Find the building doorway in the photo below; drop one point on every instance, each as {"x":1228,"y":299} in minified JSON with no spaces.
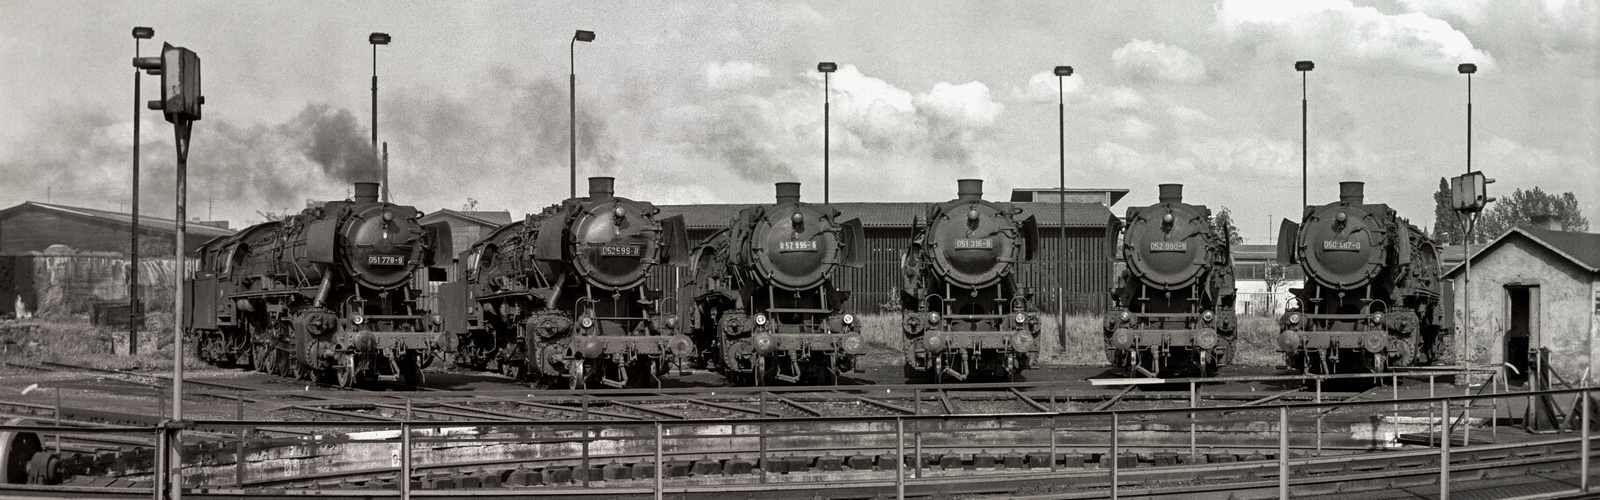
{"x":1522,"y":330}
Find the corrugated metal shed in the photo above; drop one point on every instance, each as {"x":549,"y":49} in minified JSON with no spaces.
{"x":34,"y":226}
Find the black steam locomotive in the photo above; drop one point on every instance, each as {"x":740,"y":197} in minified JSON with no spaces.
{"x":765,"y":305}
{"x":334,"y":293}
{"x":562,"y":295}
{"x":962,"y":312}
{"x":1173,"y":308}
{"x":1371,"y":298}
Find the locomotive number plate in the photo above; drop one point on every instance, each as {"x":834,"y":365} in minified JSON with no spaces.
{"x":1169,"y":246}
{"x":619,"y":251}
{"x":1352,"y":246}
{"x":974,"y":243}
{"x":386,"y":260}
{"x":797,"y":246}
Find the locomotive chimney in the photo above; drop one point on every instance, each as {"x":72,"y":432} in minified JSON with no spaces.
{"x":366,"y":192}
{"x":601,"y":187}
{"x":1547,"y":221}
{"x":788,"y":192}
{"x":1352,"y":192}
{"x":1170,"y":193}
{"x":969,"y":189}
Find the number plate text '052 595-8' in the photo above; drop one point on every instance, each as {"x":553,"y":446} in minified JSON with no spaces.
{"x":619,"y":251}
{"x":1169,"y":246}
{"x":797,"y":246}
{"x":1352,"y":246}
{"x":386,"y":260}
{"x":974,"y":243}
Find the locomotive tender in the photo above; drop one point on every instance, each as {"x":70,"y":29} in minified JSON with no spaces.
{"x":962,"y":312}
{"x":334,"y":293}
{"x":1371,"y":298}
{"x":562,"y":295}
{"x":1173,"y":308}
{"x":765,"y":305}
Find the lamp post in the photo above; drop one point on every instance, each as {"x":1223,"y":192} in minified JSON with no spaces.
{"x":1061,"y":200}
{"x":572,"y":105}
{"x":139,"y":33}
{"x":826,"y":68}
{"x":377,"y":39}
{"x":1303,"y":67}
{"x":1466,"y":286}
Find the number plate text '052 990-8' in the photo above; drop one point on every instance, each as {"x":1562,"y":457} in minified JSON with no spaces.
{"x":797,"y":246}
{"x":386,"y":260}
{"x":974,"y":243}
{"x":1169,"y":246}
{"x":1351,"y":246}
{"x":619,"y":251}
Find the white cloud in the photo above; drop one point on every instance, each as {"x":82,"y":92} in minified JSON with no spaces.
{"x":1124,"y":98}
{"x":1043,"y":87}
{"x":733,"y":74}
{"x":1338,"y":29}
{"x":1145,"y":59}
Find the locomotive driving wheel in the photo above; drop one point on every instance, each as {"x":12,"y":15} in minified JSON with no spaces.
{"x":344,"y":372}
{"x":576,"y":376}
{"x":1206,"y":363}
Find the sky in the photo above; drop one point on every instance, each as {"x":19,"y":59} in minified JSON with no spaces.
{"x":713,"y":102}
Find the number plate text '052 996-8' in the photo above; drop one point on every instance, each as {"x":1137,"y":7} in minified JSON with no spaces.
{"x":1351,"y":246}
{"x":974,"y":243}
{"x":1169,"y":246}
{"x":386,"y":260}
{"x":619,"y":251}
{"x":797,"y":246}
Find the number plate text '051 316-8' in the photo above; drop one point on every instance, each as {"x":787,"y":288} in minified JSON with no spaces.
{"x":1169,"y":246}
{"x":386,"y":260}
{"x":619,"y":251}
{"x":797,"y":246}
{"x":974,"y":243}
{"x":1352,"y":246}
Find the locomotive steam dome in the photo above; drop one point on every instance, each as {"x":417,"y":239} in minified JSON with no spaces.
{"x":612,"y":239}
{"x":381,"y":240}
{"x":1342,"y":243}
{"x":799,"y":246}
{"x":1165,"y":243}
{"x":973,"y":242}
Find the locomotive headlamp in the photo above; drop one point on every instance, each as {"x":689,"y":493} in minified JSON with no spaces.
{"x":1207,"y":316}
{"x":358,"y":319}
{"x":933,"y":318}
{"x":1126,"y":316}
{"x":1294,"y":319}
{"x":849,"y":319}
{"x":1377,"y":318}
{"x":388,"y":216}
{"x":797,"y":219}
{"x":619,"y":212}
{"x":438,"y":320}
{"x":972,"y":215}
{"x":672,"y":322}
{"x":1339,"y":217}
{"x":1022,"y":319}
{"x":586,"y":321}
{"x":761,"y":320}
{"x":1166,"y":219}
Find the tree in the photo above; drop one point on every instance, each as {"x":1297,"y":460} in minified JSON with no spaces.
{"x":1518,"y":209}
{"x":1448,"y":227}
{"x":1224,"y":219}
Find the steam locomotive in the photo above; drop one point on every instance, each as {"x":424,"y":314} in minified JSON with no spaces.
{"x":962,"y":312}
{"x":766,"y":307}
{"x":334,"y":293}
{"x":1173,"y":308}
{"x":1371,"y":299}
{"x":562,"y":295}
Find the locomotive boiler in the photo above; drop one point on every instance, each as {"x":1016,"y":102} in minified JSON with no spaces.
{"x":333,"y":293}
{"x":561,"y":296}
{"x":1173,"y":309}
{"x":1371,"y":297}
{"x":765,"y":303}
{"x":962,"y":311}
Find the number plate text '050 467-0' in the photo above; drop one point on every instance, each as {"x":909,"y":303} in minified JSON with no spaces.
{"x":1169,"y":246}
{"x":797,"y":246}
{"x":386,"y":260}
{"x":619,"y":251}
{"x":974,"y":243}
{"x":1352,"y":246}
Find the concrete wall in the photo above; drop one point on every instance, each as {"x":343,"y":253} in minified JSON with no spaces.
{"x":63,"y":285}
{"x":1566,"y":306}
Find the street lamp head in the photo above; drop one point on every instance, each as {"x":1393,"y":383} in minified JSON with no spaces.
{"x":827,"y":67}
{"x":378,"y":38}
{"x":1467,"y":68}
{"x":143,"y":33}
{"x":1304,"y":66}
{"x":583,"y":36}
{"x":1063,"y":70}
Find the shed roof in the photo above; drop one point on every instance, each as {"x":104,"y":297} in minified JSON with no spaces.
{"x":889,"y":215}
{"x":146,"y":222}
{"x":1582,"y":249}
{"x":482,"y":218}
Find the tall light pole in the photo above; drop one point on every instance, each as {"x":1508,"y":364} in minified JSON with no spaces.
{"x":139,"y":33}
{"x":826,"y":68}
{"x":1303,"y":67}
{"x":1061,"y":202}
{"x":1466,"y":285}
{"x":377,"y":39}
{"x":572,"y":105}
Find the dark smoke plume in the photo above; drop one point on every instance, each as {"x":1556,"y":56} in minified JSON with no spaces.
{"x":335,"y":140}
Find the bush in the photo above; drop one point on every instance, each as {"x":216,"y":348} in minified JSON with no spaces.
{"x":81,"y":344}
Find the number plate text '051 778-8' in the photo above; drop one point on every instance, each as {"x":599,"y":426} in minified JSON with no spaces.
{"x":1169,"y":246}
{"x":619,"y":251}
{"x":1349,"y":246}
{"x":386,"y":260}
{"x":974,"y":243}
{"x":797,"y":246}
